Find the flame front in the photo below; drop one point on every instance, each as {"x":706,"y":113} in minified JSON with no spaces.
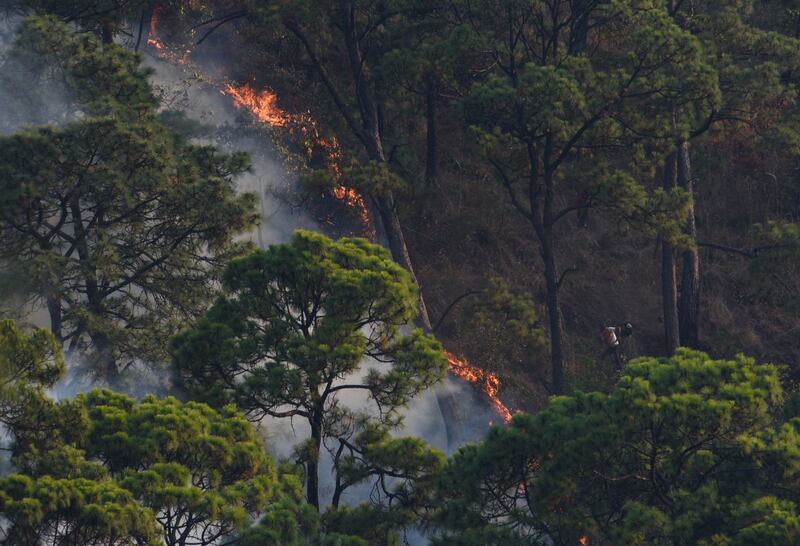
{"x":262,"y":104}
{"x":489,"y":382}
{"x":264,"y":107}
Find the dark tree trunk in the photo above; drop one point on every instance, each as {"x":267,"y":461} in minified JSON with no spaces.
{"x":669,"y":292}
{"x":107,"y":31}
{"x":689,"y":302}
{"x":54,"y":309}
{"x":580,"y":26}
{"x":431,"y":144}
{"x":312,"y":466}
{"x":105,"y":364}
{"x":553,"y":312}
{"x":397,"y":246}
{"x":368,"y":132}
{"x":144,"y":25}
{"x":453,"y":422}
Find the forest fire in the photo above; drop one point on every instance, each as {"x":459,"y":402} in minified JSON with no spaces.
{"x":262,"y":104}
{"x":164,"y":52}
{"x":488,"y":381}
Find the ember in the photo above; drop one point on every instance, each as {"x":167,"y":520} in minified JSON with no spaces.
{"x":488,"y":381}
{"x":262,"y":104}
{"x":264,"y":107}
{"x":162,"y":51}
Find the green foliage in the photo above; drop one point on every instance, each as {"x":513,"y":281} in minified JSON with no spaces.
{"x":295,"y":322}
{"x":82,"y":76}
{"x":531,"y":118}
{"x":502,"y":330}
{"x":94,"y":15}
{"x":685,"y":450}
{"x":73,"y":511}
{"x":187,"y":469}
{"x":362,"y":525}
{"x":120,"y":224}
{"x":774,"y":256}
{"x":30,"y":362}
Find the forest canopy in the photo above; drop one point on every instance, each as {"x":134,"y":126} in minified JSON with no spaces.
{"x":399,"y":272}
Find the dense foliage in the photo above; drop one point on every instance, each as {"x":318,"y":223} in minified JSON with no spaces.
{"x":290,"y":335}
{"x":534,"y":166}
{"x":683,"y":450}
{"x":113,"y":221}
{"x":128,"y":472}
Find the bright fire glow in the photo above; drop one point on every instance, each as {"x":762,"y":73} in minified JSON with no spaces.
{"x":162,"y":51}
{"x":262,"y":104}
{"x":489,"y":382}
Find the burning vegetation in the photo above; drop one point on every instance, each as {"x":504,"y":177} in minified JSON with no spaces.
{"x":488,"y":382}
{"x":263,"y":105}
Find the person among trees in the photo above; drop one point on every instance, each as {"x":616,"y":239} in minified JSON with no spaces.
{"x":612,"y":337}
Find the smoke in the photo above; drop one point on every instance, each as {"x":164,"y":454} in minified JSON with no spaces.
{"x":217,"y":121}
{"x":210,"y":117}
{"x":185,"y":88}
{"x":30,"y":96}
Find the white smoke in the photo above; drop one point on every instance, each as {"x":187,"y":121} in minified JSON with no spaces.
{"x":185,"y":88}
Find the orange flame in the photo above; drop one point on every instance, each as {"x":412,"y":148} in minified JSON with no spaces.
{"x":584,"y":541}
{"x":263,"y":105}
{"x":162,"y":51}
{"x":489,"y":382}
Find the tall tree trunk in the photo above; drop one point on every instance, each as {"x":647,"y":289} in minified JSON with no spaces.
{"x":105,"y":364}
{"x":397,"y":245}
{"x":107,"y":31}
{"x":689,"y":302}
{"x":145,"y":21}
{"x":553,"y":312}
{"x":430,"y":117}
{"x":580,"y":26}
{"x":369,"y":134}
{"x":669,"y":292}
{"x":54,"y":309}
{"x":448,"y":406}
{"x":312,"y":466}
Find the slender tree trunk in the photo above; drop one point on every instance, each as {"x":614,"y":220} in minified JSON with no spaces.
{"x":368,"y":132}
{"x":312,"y":466}
{"x":431,"y":144}
{"x":453,"y":422}
{"x":144,"y":25}
{"x":397,"y":246}
{"x":669,"y":292}
{"x":553,"y":311}
{"x":107,"y":31}
{"x":580,"y":26}
{"x":105,"y":362}
{"x":689,"y":302}
{"x":54,"y":309}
